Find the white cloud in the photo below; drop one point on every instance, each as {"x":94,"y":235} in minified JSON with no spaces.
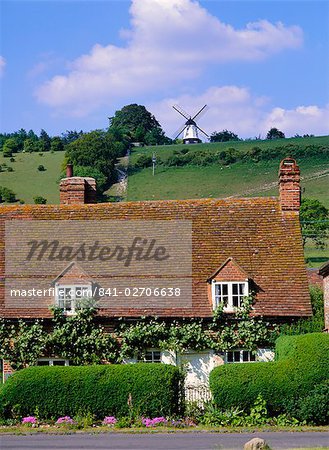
{"x":238,"y":110}
{"x":168,"y":43}
{"x":2,"y":65}
{"x":301,"y":120}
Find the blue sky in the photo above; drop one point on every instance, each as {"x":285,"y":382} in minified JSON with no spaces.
{"x":257,"y":64}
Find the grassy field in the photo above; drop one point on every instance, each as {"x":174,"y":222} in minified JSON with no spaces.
{"x":27,"y":181}
{"x":240,"y":179}
{"x":215,"y":181}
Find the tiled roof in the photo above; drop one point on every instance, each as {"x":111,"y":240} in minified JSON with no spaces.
{"x":265,"y":243}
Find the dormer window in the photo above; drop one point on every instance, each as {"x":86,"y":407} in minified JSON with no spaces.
{"x":229,"y":284}
{"x":229,"y":293}
{"x":67,"y":297}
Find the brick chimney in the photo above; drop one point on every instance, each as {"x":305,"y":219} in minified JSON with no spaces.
{"x":76,"y":190}
{"x":289,"y":185}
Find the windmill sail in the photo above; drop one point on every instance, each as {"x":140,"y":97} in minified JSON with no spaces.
{"x":190,"y":128}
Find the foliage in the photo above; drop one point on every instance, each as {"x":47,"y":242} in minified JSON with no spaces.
{"x":138,"y":125}
{"x":223,"y":136}
{"x":10,"y":146}
{"x":96,"y":149}
{"x":7,"y":195}
{"x":41,"y":168}
{"x":300,"y":365}
{"x":151,"y":389}
{"x":143,"y":161}
{"x":312,"y":324}
{"x":229,"y":155}
{"x":222,"y":334}
{"x":39,"y":200}
{"x":314,"y":407}
{"x":45,"y":141}
{"x":70,"y":136}
{"x":274,"y":133}
{"x":21,"y":344}
{"x":314,"y":218}
{"x":56,"y":144}
{"x":91,"y":344}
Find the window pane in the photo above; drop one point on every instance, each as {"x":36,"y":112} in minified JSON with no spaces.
{"x":58,"y":363}
{"x":235,"y":302}
{"x":43,"y":363}
{"x":218,"y":290}
{"x":78,"y":292}
{"x":156,"y":356}
{"x":245,"y":356}
{"x":236,"y":356}
{"x":225,"y":289}
{"x":241,"y":289}
{"x":234,"y":289}
{"x":252,"y":357}
{"x":68,"y":292}
{"x":229,"y":356}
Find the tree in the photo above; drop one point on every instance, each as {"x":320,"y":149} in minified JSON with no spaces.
{"x":45,"y":140}
{"x":10,"y":146}
{"x":96,"y":149}
{"x":30,"y":145}
{"x":7,"y":195}
{"x":274,"y":133}
{"x":314,"y":218}
{"x":135,"y":121}
{"x":223,"y":136}
{"x":56,"y":144}
{"x":71,"y":136}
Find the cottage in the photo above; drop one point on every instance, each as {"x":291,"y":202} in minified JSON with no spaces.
{"x":171,"y":259}
{"x":324,"y":273}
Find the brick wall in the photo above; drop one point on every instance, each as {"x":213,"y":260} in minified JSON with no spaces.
{"x":77,"y":190}
{"x":289,"y":185}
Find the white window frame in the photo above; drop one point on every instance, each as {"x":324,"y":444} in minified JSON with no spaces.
{"x":229,"y":307}
{"x":59,"y":289}
{"x":52,"y":360}
{"x":153,"y":359}
{"x":241,"y":360}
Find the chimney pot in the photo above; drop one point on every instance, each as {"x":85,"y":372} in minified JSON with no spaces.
{"x":69,"y":170}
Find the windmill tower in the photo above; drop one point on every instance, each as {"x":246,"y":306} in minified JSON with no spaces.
{"x":190,"y":128}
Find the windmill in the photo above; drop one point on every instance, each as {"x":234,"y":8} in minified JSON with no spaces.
{"x":190,"y":128}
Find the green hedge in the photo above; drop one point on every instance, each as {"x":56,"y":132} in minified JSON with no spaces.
{"x":155,"y":389}
{"x":301,"y":363}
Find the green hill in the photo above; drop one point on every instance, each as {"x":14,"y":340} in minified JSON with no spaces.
{"x":27,"y":181}
{"x":240,"y":179}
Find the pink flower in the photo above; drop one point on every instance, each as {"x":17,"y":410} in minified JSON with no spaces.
{"x":65,"y":419}
{"x":109,"y":420}
{"x":154,"y":422}
{"x":29,"y":419}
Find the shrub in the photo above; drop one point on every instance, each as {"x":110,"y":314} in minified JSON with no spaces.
{"x":301,"y":363}
{"x":312,"y":408}
{"x":116,"y":390}
{"x":38,"y":200}
{"x":7,"y":195}
{"x":143,"y":161}
{"x":41,"y":168}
